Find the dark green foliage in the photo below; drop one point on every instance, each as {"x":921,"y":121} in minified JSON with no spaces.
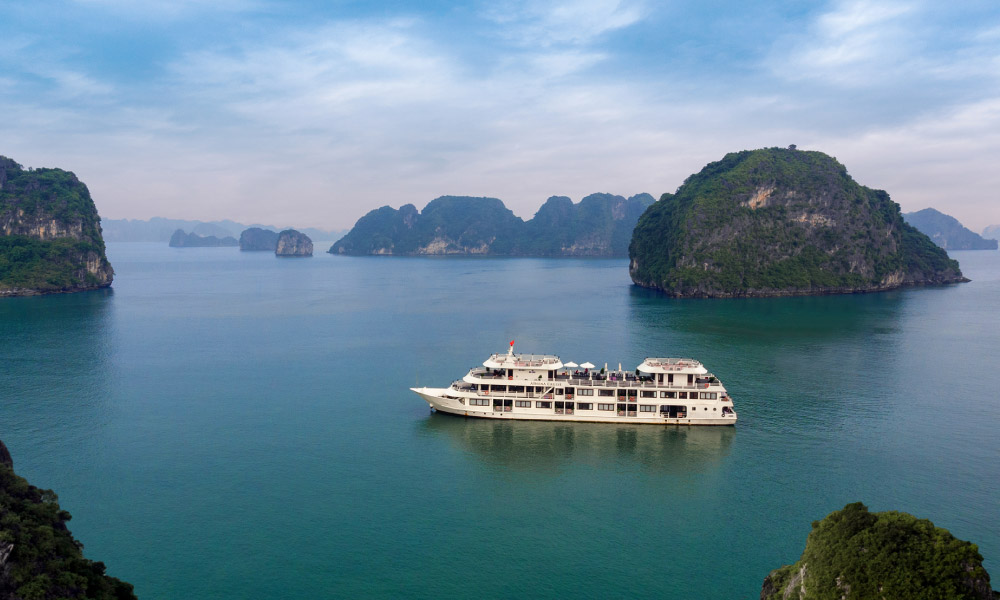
{"x":45,"y":561}
{"x":49,"y":266}
{"x":946,"y":231}
{"x":777,"y":221}
{"x":600,"y":225}
{"x":49,"y":232}
{"x":856,"y":555}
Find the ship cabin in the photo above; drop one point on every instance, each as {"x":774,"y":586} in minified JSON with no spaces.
{"x":665,"y":386}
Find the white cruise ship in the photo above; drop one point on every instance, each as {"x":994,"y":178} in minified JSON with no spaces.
{"x":672,"y":391}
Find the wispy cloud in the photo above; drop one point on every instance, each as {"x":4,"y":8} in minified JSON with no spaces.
{"x":855,"y":43}
{"x":546,"y":23}
{"x":170,"y":9}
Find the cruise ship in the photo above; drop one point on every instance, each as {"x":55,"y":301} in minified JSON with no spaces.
{"x":671,"y":391}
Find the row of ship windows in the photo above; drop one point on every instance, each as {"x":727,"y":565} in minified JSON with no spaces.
{"x":644,"y":394}
{"x":579,"y":405}
{"x":611,"y":393}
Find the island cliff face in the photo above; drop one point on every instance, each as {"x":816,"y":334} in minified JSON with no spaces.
{"x":946,"y":231}
{"x":853,"y":554}
{"x":293,"y":243}
{"x":180,"y":239}
{"x":50,"y":233}
{"x":256,"y":239}
{"x":778,"y":222}
{"x":600,"y":225}
{"x":39,"y":558}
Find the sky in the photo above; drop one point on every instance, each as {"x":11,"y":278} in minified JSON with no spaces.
{"x":312,"y":113}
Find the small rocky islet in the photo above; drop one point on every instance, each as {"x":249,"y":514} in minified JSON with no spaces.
{"x":293,"y":243}
{"x":256,"y":239}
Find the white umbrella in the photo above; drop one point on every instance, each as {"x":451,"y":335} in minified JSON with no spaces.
{"x":587,"y":365}
{"x":570,"y":365}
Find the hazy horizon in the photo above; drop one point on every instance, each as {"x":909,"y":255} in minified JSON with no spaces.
{"x":307,"y":113}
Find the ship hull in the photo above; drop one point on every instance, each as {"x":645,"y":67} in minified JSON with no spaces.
{"x":439,"y":400}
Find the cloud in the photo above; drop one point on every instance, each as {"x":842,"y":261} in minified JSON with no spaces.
{"x":158,"y":10}
{"x":543,"y":24}
{"x":854,"y":44}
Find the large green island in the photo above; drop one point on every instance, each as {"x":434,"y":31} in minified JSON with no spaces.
{"x":780,"y":222}
{"x":50,"y":233}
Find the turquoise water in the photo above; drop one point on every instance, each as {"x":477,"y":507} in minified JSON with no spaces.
{"x":234,"y":425}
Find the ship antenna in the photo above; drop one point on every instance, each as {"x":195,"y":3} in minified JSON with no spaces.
{"x":510,"y":351}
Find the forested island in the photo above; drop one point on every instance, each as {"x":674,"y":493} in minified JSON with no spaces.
{"x":600,"y":225}
{"x":39,"y":559}
{"x":854,"y":554}
{"x":777,"y":222}
{"x":50,"y":233}
{"x":182,"y":239}
{"x":946,"y":231}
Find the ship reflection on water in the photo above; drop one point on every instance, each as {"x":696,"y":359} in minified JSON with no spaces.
{"x":545,"y":446}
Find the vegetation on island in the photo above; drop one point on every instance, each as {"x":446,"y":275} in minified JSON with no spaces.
{"x":946,"y":231}
{"x":181,"y":239}
{"x":50,"y":233}
{"x":600,"y":225}
{"x":776,"y":222}
{"x":854,"y":554}
{"x":255,"y":239}
{"x":39,"y":559}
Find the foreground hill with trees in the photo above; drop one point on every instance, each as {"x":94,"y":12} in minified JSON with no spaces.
{"x":854,"y":554}
{"x":39,"y":559}
{"x":776,"y":222}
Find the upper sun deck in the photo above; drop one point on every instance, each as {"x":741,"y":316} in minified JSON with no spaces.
{"x":507,"y":360}
{"x":672,"y":365}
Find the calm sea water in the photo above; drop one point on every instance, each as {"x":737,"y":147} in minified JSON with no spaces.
{"x":226,"y":424}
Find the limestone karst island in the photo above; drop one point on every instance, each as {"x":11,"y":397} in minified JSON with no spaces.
{"x":50,"y":233}
{"x":778,"y":222}
{"x":600,"y":225}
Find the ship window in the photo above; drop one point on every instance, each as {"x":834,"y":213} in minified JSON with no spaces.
{"x":584,"y":406}
{"x":523,"y":403}
{"x":560,"y":391}
{"x":498,"y":388}
{"x":646,"y":394}
{"x":543,"y":404}
{"x":461,"y":400}
{"x":518,"y":389}
{"x":668,"y":394}
{"x":683,"y":395}
{"x":605,"y":392}
{"x":647,"y":408}
{"x":585,"y":392}
{"x":605,"y":407}
{"x":479,"y":401}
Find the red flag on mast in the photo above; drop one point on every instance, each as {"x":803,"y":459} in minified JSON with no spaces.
{"x":512,"y":342}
